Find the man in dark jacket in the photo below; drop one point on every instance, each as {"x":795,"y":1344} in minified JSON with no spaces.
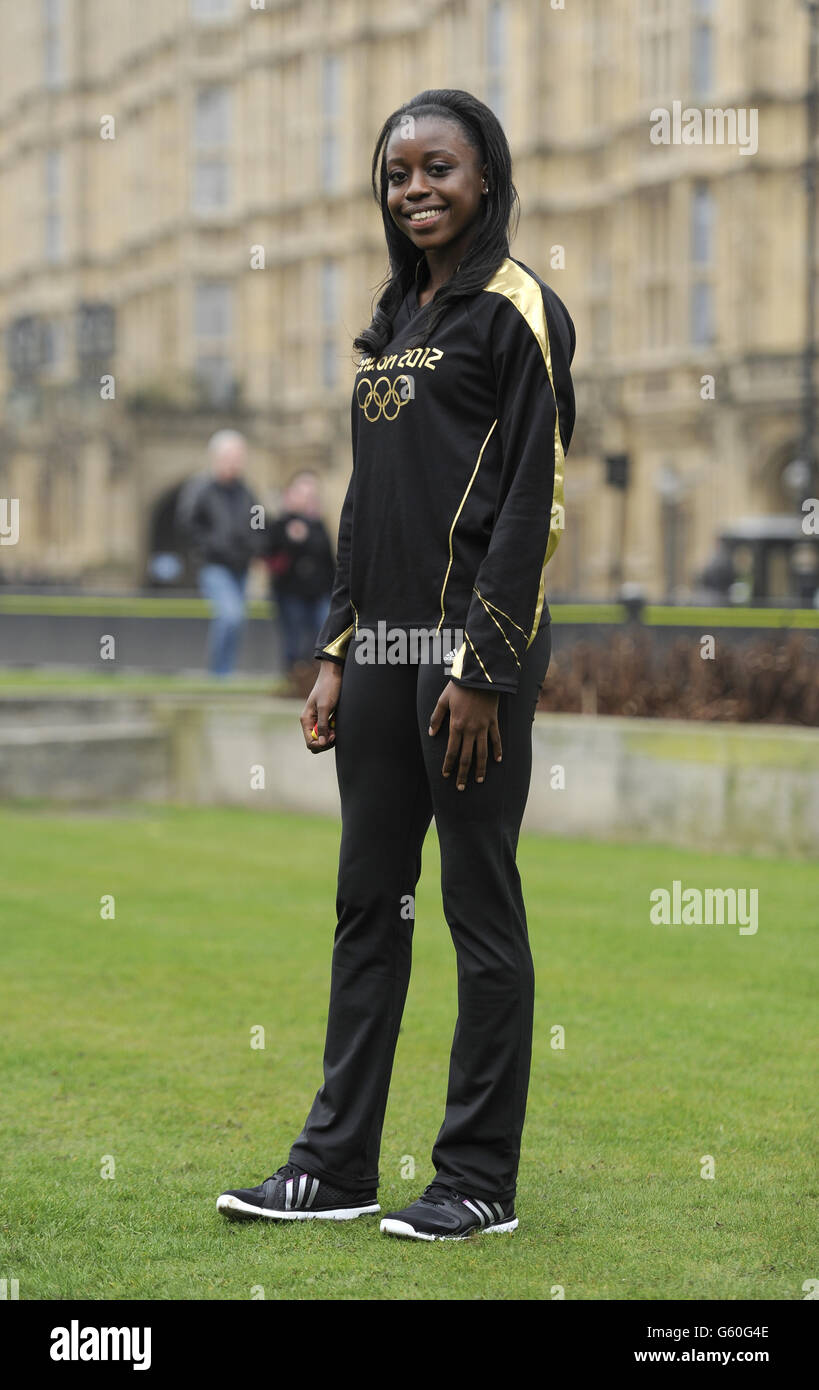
{"x":223,"y":524}
{"x":302,"y":567}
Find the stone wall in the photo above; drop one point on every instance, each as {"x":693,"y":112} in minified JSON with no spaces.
{"x":749,"y":788}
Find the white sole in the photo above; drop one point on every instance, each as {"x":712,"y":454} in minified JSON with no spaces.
{"x":233,"y":1206}
{"x":391,"y":1227}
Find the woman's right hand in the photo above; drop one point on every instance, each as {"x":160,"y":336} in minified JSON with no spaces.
{"x":321,"y":703}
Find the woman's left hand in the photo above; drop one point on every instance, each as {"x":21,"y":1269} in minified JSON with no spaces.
{"x":473,"y":721}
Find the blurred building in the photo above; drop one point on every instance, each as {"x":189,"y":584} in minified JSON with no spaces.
{"x":186,"y":215}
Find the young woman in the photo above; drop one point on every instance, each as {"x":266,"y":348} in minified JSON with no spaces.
{"x":462,"y":412}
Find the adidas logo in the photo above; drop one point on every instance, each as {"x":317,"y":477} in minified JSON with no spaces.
{"x":486,"y":1213}
{"x":450,"y":657}
{"x":301,"y":1196}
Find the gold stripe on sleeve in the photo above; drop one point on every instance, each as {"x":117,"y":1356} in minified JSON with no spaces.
{"x":486,"y":603}
{"x":453,"y":672}
{"x":525,"y":293}
{"x":498,"y":626}
{"x":458,"y":664}
{"x":338,"y":647}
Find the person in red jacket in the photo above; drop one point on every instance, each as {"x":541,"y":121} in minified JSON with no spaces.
{"x":462,"y":412}
{"x":301,"y":568}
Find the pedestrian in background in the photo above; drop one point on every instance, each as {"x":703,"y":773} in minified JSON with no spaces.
{"x":215,"y":517}
{"x":302,"y":567}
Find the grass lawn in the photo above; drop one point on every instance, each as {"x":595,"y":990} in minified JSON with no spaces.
{"x":58,"y":681}
{"x":131,"y":1038}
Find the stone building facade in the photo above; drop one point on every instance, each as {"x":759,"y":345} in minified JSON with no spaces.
{"x":188,"y":240}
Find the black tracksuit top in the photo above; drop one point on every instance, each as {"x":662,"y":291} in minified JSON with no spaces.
{"x":455,"y":502}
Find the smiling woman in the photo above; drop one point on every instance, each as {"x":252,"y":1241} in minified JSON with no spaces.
{"x":462,"y":411}
{"x":435,"y":191}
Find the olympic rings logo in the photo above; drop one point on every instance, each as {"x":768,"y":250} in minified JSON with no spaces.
{"x":384,"y":398}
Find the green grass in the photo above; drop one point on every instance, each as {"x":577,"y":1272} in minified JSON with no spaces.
{"x":54,"y":681}
{"x":131,"y":1038}
{"x":170,"y":605}
{"x":120,"y":606}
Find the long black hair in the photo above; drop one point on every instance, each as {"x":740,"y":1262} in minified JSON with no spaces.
{"x":483,"y":131}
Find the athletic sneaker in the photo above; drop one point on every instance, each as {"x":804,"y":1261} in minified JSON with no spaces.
{"x":293,"y":1195}
{"x":442,"y":1214}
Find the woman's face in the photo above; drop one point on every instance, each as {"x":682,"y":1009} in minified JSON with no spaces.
{"x":434,"y":169}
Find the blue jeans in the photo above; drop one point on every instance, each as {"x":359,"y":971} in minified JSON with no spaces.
{"x":301,"y":621}
{"x":226,"y":593}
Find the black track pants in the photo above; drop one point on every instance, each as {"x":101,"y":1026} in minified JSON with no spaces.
{"x":390,"y":783}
